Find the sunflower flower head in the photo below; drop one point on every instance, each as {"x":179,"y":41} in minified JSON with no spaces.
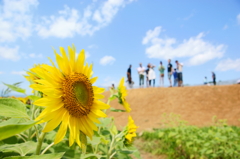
{"x":122,"y":93}
{"x":131,"y":131}
{"x":23,"y":99}
{"x":71,"y":101}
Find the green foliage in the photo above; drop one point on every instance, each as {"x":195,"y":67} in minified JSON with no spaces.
{"x":117,"y":110}
{"x":46,"y":156}
{"x":33,"y":98}
{"x":22,"y":149}
{"x":182,"y":141}
{"x":15,"y":88}
{"x":12,"y":108}
{"x":20,"y":138}
{"x":5,"y":93}
{"x":8,"y":130}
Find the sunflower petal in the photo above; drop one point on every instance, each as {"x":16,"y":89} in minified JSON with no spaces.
{"x":99,"y":105}
{"x":55,"y":121}
{"x":63,"y":129}
{"x":93,"y":80}
{"x":80,"y":62}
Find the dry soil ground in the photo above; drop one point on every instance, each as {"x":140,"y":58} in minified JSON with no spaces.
{"x":197,"y":105}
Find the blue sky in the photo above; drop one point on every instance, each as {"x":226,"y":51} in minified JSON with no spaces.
{"x":203,"y":35}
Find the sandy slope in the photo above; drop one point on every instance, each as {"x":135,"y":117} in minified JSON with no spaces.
{"x":195,"y":104}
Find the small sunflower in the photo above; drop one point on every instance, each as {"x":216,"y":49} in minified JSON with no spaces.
{"x":122,"y":93}
{"x":23,"y":99}
{"x":70,"y":98}
{"x":131,"y":130}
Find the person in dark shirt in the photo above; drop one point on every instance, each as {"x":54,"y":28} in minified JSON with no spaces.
{"x":214,"y":78}
{"x":170,"y":70}
{"x":147,"y":71}
{"x":129,"y":75}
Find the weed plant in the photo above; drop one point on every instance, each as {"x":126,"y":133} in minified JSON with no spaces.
{"x":179,"y":140}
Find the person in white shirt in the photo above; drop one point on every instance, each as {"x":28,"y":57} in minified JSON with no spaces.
{"x":151,"y":75}
{"x":180,"y":76}
{"x":141,"y":72}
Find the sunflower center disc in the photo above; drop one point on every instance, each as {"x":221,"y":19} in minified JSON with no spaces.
{"x":78,"y":95}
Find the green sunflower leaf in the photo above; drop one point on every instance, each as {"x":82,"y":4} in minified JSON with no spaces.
{"x":12,"y":121}
{"x":117,"y":110}
{"x":113,"y":97}
{"x":14,"y":108}
{"x":92,"y":155}
{"x":15,"y":88}
{"x":22,"y":149}
{"x":45,"y":156}
{"x":13,"y":129}
{"x":32,"y":97}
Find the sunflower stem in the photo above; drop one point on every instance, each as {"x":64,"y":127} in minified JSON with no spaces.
{"x":47,"y":148}
{"x":111,"y":147}
{"x":40,"y":141}
{"x":112,"y":155}
{"x":108,"y":102}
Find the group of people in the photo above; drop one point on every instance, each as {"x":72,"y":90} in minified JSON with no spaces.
{"x":150,"y":74}
{"x":213,"y":78}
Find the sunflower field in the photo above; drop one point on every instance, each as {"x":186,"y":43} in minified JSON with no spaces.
{"x":65,"y":116}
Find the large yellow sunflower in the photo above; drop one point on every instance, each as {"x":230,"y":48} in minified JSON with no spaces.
{"x":70,"y":98}
{"x":131,"y":129}
{"x":122,"y":93}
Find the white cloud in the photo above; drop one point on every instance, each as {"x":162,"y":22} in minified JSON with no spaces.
{"x":16,"y":19}
{"x":107,"y":60}
{"x":225,"y":27}
{"x":9,"y":53}
{"x":65,"y":25}
{"x":69,"y":22}
{"x":228,"y":64}
{"x":197,"y":50}
{"x":35,"y":55}
{"x":238,"y":18}
{"x":19,"y":73}
{"x":1,"y":72}
{"x":152,"y":34}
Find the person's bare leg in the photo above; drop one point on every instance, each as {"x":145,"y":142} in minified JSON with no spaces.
{"x":160,"y":81}
{"x":170,"y":81}
{"x":163,"y":81}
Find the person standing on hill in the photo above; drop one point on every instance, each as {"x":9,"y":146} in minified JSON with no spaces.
{"x":205,"y":81}
{"x":214,"y":78}
{"x":175,"y":77}
{"x":180,"y":76}
{"x":129,"y":76}
{"x":151,"y":75}
{"x":161,"y":70}
{"x":141,"y":71}
{"x":147,"y":73}
{"x":170,"y":70}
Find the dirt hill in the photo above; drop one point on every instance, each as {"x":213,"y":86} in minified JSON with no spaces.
{"x":197,"y":105}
